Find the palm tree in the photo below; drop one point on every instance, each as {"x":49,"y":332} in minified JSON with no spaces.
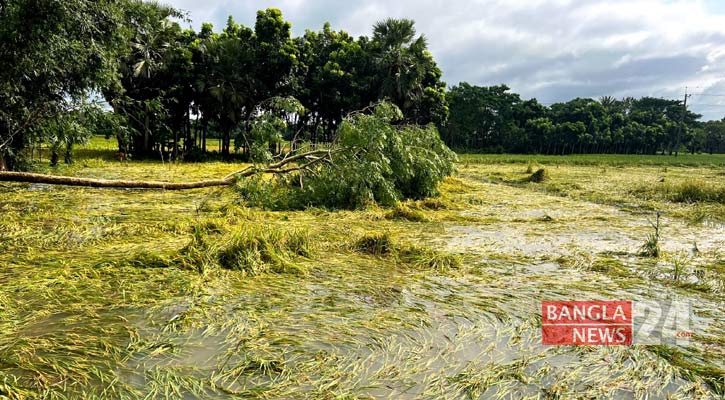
{"x":400,"y":57}
{"x":149,"y":49}
{"x":394,"y":33}
{"x":608,"y":102}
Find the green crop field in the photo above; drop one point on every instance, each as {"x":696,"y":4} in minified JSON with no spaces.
{"x":695,"y":160}
{"x":111,"y":293}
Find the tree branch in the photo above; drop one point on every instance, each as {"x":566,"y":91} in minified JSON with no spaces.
{"x":311,"y":158}
{"x":275,"y":167}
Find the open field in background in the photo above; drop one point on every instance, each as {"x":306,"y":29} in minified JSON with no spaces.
{"x":105,"y":148}
{"x":153,"y":294}
{"x":713,"y":160}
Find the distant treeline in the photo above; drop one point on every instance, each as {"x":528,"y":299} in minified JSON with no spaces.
{"x":492,"y":119}
{"x":171,"y":89}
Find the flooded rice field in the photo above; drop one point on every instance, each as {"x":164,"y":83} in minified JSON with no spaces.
{"x":103,"y":296}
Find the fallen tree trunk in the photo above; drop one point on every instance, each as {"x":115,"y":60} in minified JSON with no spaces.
{"x":9,"y":176}
{"x":300,"y":162}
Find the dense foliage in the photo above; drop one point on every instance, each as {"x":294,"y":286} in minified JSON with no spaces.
{"x":376,"y":161}
{"x":493,"y":119}
{"x":256,"y":88}
{"x":74,"y":126}
{"x":52,"y":52}
{"x":180,"y":87}
{"x":173,"y":88}
{"x":709,"y":137}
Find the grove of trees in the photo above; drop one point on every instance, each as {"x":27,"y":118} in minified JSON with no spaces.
{"x":493,"y":119}
{"x":127,"y":69}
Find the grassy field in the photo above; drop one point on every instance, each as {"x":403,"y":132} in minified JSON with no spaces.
{"x":714,"y":160}
{"x":152,"y":294}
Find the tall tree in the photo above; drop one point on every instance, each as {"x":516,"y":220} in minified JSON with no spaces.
{"x":407,"y":73}
{"x":51,"y":52}
{"x":230,"y":83}
{"x":488,"y":118}
{"x":334,"y":76}
{"x":276,"y":54}
{"x":143,"y":89}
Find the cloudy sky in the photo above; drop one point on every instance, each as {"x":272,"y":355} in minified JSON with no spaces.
{"x":552,"y":50}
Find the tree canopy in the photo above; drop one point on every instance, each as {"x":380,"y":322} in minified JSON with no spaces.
{"x":179,"y":87}
{"x":52,"y":53}
{"x":378,"y":160}
{"x":255,"y":88}
{"x":494,"y":119}
{"x":173,"y":88}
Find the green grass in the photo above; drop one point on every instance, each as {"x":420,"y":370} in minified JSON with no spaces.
{"x":688,"y":192}
{"x":651,"y":246}
{"x":403,"y":212}
{"x":376,"y":244}
{"x":713,"y":376}
{"x":693,"y":190}
{"x":596,"y":159}
{"x":429,"y":259}
{"x":253,"y":250}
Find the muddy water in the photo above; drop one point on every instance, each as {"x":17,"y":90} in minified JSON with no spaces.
{"x":564,"y":239}
{"x":368,"y":328}
{"x":535,"y":224}
{"x":381,"y":331}
{"x":371,"y":329}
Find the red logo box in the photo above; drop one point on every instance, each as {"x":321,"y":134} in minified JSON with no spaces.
{"x":591,"y":323}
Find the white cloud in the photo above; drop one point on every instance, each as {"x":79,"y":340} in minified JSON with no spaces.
{"x":549,"y":49}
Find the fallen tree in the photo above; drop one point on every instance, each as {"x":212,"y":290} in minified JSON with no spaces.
{"x":374,"y":159}
{"x":289,"y":163}
{"x":383,"y":162}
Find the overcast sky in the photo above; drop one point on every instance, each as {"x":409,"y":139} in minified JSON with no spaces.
{"x":553,"y":50}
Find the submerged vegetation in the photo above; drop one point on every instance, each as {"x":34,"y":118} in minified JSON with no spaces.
{"x":252,"y":250}
{"x":132,"y":294}
{"x":422,"y":256}
{"x":376,"y":244}
{"x":651,"y":246}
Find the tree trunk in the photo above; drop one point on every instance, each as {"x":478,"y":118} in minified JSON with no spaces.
{"x":146,"y":134}
{"x":68,"y":156}
{"x":54,"y":156}
{"x":176,"y":145}
{"x":195,"y":133}
{"x":226,"y":139}
{"x":9,"y":176}
{"x":204,"y":133}
{"x":304,"y":161}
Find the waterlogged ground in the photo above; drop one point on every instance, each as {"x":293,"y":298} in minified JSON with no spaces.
{"x":102,"y":297}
